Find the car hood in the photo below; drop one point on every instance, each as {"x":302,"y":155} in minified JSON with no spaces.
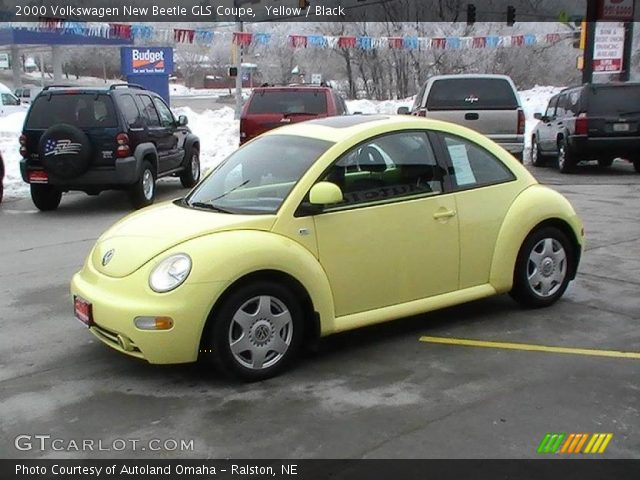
{"x":139,"y":237}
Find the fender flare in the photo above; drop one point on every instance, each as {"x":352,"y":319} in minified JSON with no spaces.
{"x":248,"y":252}
{"x":188,"y":145}
{"x":143,"y":150}
{"x":534,"y":206}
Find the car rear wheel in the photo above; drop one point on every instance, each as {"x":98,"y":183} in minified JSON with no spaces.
{"x":257,"y":331}
{"x":45,"y":197}
{"x":566,"y":160}
{"x":636,"y":165}
{"x":543,"y":268}
{"x":143,"y":192}
{"x":191,"y":173}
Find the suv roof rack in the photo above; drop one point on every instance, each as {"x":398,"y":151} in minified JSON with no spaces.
{"x":50,"y":87}
{"x":126,"y":85}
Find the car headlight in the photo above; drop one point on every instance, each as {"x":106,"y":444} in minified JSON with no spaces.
{"x":170,"y":273}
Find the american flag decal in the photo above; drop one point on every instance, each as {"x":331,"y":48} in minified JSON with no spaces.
{"x":61,"y":147}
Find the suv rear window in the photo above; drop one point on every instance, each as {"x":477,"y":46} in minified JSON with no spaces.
{"x":471,"y":94}
{"x":293,"y":101}
{"x":84,"y":110}
{"x":614,"y":99}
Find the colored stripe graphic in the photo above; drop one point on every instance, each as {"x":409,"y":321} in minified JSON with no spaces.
{"x":572,"y":443}
{"x":551,"y":442}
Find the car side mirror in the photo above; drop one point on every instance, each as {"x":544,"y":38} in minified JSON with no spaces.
{"x":183,"y":121}
{"x":537,"y":116}
{"x":403,"y":111}
{"x":325,"y":193}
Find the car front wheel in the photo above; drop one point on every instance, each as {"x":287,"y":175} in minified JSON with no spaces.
{"x":45,"y":197}
{"x":537,"y":160}
{"x":636,"y":165}
{"x":191,"y":173}
{"x":566,"y":160}
{"x":257,"y":331}
{"x":543,"y":268}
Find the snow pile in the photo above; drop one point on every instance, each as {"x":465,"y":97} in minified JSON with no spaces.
{"x":218,"y":130}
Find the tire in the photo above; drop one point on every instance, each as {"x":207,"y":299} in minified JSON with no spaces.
{"x":45,"y":197}
{"x":543,"y":268}
{"x":605,"y":162}
{"x":64,"y":151}
{"x":636,"y":165}
{"x":251,"y":313}
{"x":191,"y":173}
{"x":143,"y":192}
{"x":537,"y":159}
{"x":566,"y":160}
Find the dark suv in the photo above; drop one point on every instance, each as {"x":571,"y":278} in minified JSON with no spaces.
{"x":590,"y":122}
{"x":93,"y":139}
{"x":270,"y":107}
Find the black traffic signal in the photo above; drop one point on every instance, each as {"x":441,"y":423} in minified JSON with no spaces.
{"x":511,"y":15}
{"x":471,"y":14}
{"x":233,"y":72}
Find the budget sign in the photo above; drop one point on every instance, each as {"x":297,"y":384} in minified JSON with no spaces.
{"x":147,"y":61}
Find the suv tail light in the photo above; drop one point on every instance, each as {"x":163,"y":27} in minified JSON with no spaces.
{"x":23,"y":146}
{"x":582,"y":124}
{"x":521,"y":122}
{"x":123,"y":150}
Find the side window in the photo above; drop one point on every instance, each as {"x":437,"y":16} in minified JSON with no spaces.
{"x":551,"y":109}
{"x":562,"y":106}
{"x":417,"y":103}
{"x":392,"y":166}
{"x":149,"y":111}
{"x":9,"y":99}
{"x":473,"y":166}
{"x":339,"y":104}
{"x":130,"y":110}
{"x":166,"y":117}
{"x":573,"y":101}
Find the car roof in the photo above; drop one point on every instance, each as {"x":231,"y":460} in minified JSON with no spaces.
{"x":292,"y":88}
{"x":471,"y":75}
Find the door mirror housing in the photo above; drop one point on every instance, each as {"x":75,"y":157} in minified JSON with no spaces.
{"x":183,"y":121}
{"x":325,"y":193}
{"x":537,"y":116}
{"x":403,"y":111}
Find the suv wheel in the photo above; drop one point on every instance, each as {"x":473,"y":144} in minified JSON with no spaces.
{"x":143,"y":192}
{"x":605,"y":162}
{"x":191,"y":173}
{"x":566,"y":162}
{"x":45,"y":197}
{"x":537,"y":159}
{"x":636,"y":165}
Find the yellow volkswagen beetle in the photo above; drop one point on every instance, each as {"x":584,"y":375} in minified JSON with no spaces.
{"x":321,"y":227}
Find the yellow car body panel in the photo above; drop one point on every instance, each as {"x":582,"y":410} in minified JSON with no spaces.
{"x":359,"y":266}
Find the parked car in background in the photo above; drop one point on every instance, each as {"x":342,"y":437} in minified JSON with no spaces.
{"x":9,"y":103}
{"x":488,"y":104}
{"x":93,"y":139}
{"x":589,"y":122}
{"x":27,"y":94}
{"x":270,"y":107}
{"x":1,"y":178}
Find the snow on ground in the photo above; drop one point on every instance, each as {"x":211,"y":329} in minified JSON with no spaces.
{"x":218,"y":130}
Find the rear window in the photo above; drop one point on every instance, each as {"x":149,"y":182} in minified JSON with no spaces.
{"x":85,"y":110}
{"x":294,"y":101}
{"x":614,"y":99}
{"x":471,"y":94}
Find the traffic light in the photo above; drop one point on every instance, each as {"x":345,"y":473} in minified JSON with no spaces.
{"x":471,"y":14}
{"x":511,"y":15}
{"x":233,"y":72}
{"x":304,"y":4}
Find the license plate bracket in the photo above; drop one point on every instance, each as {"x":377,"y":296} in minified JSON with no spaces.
{"x":38,"y":176}
{"x":83,"y":311}
{"x":620,"y":127}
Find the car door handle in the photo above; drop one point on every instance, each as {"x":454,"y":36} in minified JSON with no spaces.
{"x":444,"y":214}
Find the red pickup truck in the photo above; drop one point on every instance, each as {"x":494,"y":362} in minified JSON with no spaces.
{"x":272,"y":107}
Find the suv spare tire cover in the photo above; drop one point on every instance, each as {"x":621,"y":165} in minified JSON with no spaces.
{"x":65,"y":151}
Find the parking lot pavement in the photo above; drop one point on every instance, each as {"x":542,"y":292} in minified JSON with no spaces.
{"x":373,"y":393}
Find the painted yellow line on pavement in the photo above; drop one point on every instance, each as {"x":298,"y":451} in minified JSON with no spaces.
{"x":529,"y":347}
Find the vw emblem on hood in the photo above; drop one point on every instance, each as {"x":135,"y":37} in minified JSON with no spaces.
{"x":107,"y":257}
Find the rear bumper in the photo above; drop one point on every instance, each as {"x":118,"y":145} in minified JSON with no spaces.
{"x":512,"y":144}
{"x":124,"y":172}
{"x":594,"y":147}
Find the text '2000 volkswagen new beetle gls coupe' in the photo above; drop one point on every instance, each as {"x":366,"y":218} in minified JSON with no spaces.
{"x":322,"y":227}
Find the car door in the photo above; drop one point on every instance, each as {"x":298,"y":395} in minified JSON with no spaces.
{"x":546,"y":128}
{"x":175,"y":153}
{"x":484,"y":189}
{"x":161,"y":136}
{"x":394,"y":239}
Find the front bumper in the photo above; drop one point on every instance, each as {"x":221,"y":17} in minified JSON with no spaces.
{"x":116,"y":302}
{"x":124,"y":172}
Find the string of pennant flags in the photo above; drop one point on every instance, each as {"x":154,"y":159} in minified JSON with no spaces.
{"x":206,"y":37}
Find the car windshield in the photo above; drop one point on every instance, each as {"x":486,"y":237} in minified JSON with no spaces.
{"x":84,"y":110}
{"x":471,"y":94}
{"x":258,"y":177}
{"x":312,"y":102}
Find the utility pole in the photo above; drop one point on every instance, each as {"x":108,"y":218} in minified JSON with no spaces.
{"x":591,"y":17}
{"x":238,"y":54}
{"x":625,"y":75}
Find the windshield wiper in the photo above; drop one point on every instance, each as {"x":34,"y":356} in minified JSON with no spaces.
{"x":230,"y":191}
{"x":208,"y":206}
